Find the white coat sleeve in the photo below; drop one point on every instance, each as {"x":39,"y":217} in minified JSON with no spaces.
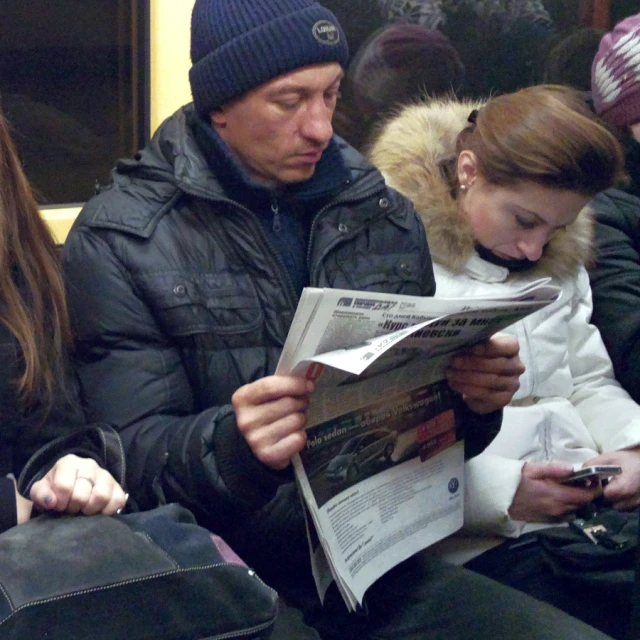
{"x":491,"y":482}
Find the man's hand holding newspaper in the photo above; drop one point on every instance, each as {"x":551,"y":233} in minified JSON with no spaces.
{"x":365,"y":403}
{"x":271,"y":412}
{"x":488,"y":375}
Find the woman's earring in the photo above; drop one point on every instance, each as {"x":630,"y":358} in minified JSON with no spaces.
{"x":463,"y":187}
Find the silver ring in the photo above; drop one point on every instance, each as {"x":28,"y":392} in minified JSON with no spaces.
{"x":91,"y":480}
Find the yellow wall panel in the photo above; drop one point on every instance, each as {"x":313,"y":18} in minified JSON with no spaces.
{"x":170,"y":62}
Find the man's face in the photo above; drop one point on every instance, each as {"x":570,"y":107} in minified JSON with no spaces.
{"x":280,"y":129}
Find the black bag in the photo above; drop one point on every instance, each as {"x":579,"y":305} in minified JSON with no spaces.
{"x":597,"y":550}
{"x":152,"y":575}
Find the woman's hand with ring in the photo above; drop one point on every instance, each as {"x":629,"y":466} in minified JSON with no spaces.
{"x":78,"y":485}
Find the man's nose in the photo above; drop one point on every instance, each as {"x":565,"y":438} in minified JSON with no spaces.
{"x":316,"y":125}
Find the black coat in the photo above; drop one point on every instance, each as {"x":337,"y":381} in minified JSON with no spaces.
{"x":24,"y":432}
{"x":615,"y":282}
{"x":178,"y":299}
{"x":32,"y":440}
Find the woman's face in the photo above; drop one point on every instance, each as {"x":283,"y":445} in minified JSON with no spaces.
{"x":516,"y":222}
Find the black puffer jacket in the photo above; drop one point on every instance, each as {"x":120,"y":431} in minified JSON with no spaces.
{"x":178,"y":299}
{"x":615,"y":283}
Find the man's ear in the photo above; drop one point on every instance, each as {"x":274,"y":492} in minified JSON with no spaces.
{"x":218,"y":118}
{"x":467,"y":168}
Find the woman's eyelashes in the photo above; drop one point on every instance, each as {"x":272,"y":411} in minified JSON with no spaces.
{"x":525,"y":223}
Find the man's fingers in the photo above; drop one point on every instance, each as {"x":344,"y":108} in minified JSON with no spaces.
{"x":484,"y":405}
{"x":251,"y":417}
{"x":476,"y":384}
{"x":277,"y":453}
{"x":469,"y":362}
{"x":270,"y":388}
{"x":282,"y":437}
{"x":500,"y":345}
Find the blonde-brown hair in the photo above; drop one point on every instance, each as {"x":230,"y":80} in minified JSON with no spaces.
{"x":32,"y":300}
{"x":544,"y":134}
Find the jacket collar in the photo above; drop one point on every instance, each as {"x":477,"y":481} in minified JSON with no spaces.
{"x":329,"y":177}
{"x":174,"y":155}
{"x":409,"y":151}
{"x":173,"y":164}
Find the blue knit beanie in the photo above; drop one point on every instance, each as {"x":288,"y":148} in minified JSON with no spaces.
{"x":237,"y":45}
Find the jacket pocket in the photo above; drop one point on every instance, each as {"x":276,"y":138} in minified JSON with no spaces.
{"x":184,"y":304}
{"x":394,"y":272}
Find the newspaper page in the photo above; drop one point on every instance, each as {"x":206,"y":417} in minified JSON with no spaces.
{"x":382,"y":472}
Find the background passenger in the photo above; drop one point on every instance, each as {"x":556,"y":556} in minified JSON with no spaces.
{"x":615,"y":89}
{"x":399,"y":64}
{"x":615,"y":281}
{"x":502,"y":197}
{"x":569,"y":60}
{"x":500,"y":42}
{"x":37,"y":396}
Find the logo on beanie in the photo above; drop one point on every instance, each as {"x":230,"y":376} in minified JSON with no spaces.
{"x":326,"y":32}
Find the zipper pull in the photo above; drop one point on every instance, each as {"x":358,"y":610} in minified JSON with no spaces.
{"x":276,"y":217}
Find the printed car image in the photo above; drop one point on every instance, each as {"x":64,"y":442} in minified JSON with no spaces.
{"x":359,"y":452}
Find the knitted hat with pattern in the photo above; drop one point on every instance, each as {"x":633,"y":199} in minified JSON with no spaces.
{"x":615,"y":74}
{"x":237,"y":45}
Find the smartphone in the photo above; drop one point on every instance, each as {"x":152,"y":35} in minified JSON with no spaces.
{"x":587,"y":474}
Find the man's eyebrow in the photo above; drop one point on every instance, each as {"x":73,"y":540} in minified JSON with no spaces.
{"x":300,"y":89}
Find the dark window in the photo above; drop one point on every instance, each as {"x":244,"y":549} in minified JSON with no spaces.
{"x":74,"y":87}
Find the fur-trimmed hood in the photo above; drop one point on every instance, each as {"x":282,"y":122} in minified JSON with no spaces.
{"x":409,"y":150}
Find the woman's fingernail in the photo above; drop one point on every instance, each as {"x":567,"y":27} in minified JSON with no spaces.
{"x":126,"y":497}
{"x":48,"y":499}
{"x":119,"y":511}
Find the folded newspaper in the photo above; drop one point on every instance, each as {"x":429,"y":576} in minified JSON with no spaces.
{"x":382,"y":473}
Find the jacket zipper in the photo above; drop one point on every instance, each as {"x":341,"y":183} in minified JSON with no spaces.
{"x":289,"y":288}
{"x":277,"y":223}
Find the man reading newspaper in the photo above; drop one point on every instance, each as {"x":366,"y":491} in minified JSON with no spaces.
{"x":183,"y":277}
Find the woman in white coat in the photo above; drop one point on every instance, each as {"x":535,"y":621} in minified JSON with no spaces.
{"x":501,"y":188}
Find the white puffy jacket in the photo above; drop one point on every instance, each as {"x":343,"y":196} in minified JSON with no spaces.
{"x":569,"y":406}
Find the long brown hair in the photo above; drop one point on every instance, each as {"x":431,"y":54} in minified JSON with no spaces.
{"x":32,"y":300}
{"x":545,"y":134}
